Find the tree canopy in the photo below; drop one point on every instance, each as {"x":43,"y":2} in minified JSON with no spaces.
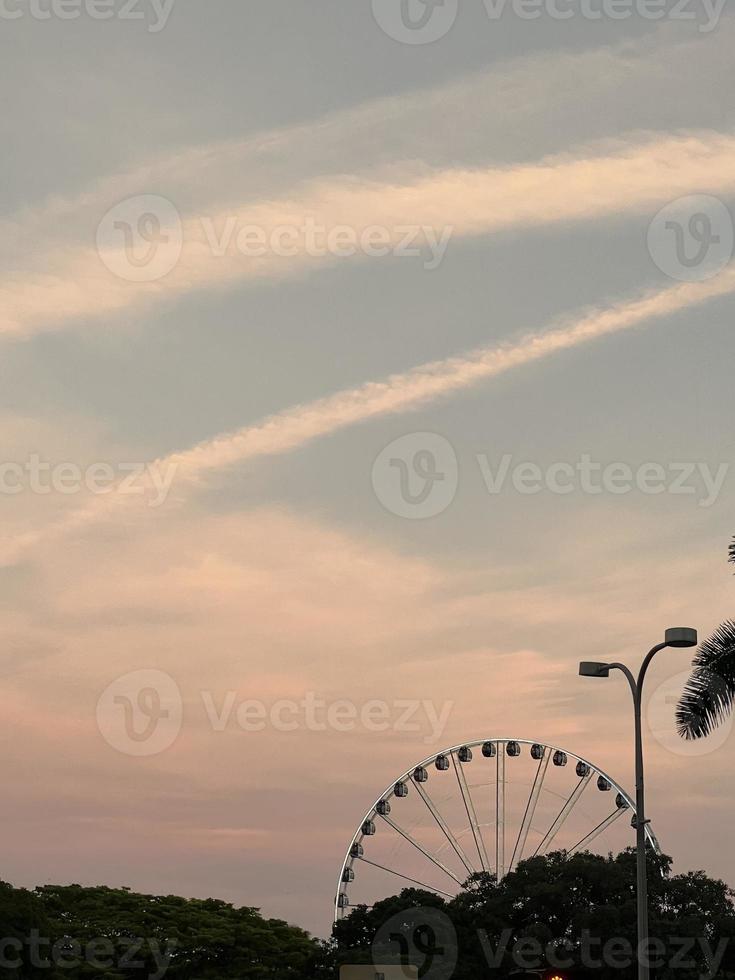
{"x":79,"y":933}
{"x":572,"y":916}
{"x":709,"y":696}
{"x":552,"y":916}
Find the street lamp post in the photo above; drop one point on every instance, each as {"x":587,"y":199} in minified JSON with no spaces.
{"x":679,"y":637}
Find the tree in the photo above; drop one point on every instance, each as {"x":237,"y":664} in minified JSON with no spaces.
{"x":21,"y":914}
{"x":572,"y":916}
{"x":82,"y":933}
{"x":710,"y":693}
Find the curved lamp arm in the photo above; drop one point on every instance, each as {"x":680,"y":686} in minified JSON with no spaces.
{"x":636,"y":686}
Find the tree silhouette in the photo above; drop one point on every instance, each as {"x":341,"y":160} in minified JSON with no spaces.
{"x":570,"y":907}
{"x":101,"y":933}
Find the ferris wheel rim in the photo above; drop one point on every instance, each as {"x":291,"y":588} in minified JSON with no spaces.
{"x":389,"y":792}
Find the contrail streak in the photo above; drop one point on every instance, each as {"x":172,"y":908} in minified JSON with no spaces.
{"x":298,"y":426}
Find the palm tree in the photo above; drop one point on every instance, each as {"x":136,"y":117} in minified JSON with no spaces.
{"x":709,"y":696}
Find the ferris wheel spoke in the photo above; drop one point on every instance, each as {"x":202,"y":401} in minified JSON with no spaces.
{"x":599,"y":829}
{"x":427,"y":854}
{"x":500,"y":814}
{"x":458,"y":850}
{"x":471,"y":813}
{"x":563,"y":814}
{"x":414,"y":881}
{"x":528,"y":816}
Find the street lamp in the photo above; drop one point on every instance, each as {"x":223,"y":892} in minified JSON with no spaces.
{"x":679,"y":637}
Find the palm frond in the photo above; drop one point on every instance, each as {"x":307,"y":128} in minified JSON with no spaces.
{"x":710,"y":692}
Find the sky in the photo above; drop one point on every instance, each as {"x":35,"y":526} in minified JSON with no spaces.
{"x":354,"y":354}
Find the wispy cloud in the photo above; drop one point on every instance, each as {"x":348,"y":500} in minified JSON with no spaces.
{"x":473,"y":117}
{"x":413,"y":389}
{"x":302,"y":424}
{"x":472,"y":202}
{"x":392,"y":161}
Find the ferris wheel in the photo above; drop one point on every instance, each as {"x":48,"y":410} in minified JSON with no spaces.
{"x":482,"y":806}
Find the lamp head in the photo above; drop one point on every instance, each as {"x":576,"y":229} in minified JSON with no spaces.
{"x":682,"y":636}
{"x":590,"y":669}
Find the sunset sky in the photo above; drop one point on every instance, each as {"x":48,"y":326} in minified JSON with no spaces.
{"x":498,"y":300}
